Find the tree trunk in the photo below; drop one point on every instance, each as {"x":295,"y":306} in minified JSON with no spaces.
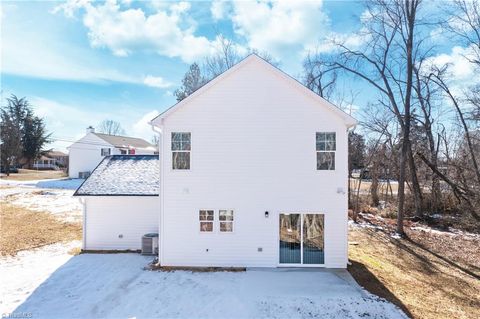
{"x":417,"y":191}
{"x":401,"y":182}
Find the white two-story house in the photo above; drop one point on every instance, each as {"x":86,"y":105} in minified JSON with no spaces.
{"x":252,"y":172}
{"x":86,"y":153}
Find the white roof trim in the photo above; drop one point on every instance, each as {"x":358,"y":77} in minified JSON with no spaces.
{"x":347,"y":118}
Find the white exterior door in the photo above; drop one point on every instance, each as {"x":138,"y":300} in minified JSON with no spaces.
{"x":301,"y":239}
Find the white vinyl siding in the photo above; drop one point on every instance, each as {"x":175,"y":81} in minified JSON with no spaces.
{"x":119,"y":222}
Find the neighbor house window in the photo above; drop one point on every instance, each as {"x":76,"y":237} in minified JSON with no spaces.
{"x":105,"y":151}
{"x":206,"y":218}
{"x":326,"y":146}
{"x":225,"y":216}
{"x":181,"y":147}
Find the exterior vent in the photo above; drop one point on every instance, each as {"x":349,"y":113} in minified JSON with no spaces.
{"x":150,"y":244}
{"x":83,"y":175}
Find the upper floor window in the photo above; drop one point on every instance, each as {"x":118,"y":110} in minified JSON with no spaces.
{"x":326,"y":147}
{"x":105,"y":151}
{"x":181,"y":148}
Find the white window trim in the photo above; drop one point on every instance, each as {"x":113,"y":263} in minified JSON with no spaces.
{"x":325,"y":151}
{"x":228,"y":221}
{"x":171,"y":151}
{"x":209,"y":221}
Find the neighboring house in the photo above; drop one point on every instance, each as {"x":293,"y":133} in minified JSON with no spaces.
{"x":88,"y":152}
{"x":53,"y":160}
{"x":253,"y":172}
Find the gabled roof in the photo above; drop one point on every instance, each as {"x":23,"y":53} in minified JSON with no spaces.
{"x":124,"y":141}
{"x":347,"y":118}
{"x":123,"y":175}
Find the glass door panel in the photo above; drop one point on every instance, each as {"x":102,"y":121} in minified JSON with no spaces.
{"x":290,"y":238}
{"x":313,"y":238}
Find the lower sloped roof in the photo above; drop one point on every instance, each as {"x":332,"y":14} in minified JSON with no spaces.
{"x":123,"y":175}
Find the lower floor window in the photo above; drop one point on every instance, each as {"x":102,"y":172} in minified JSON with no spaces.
{"x":225,"y":217}
{"x":206,"y":220}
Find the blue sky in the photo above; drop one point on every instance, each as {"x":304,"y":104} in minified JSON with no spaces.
{"x":80,"y":62}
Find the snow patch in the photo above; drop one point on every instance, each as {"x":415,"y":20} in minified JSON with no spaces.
{"x":49,"y":283}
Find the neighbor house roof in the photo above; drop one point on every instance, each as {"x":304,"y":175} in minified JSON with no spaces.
{"x":347,"y":118}
{"x":125,"y":141}
{"x":123,"y":175}
{"x":55,"y":153}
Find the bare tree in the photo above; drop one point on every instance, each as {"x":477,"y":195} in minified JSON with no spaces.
{"x":318,"y":76}
{"x":387,"y":63}
{"x":111,"y":127}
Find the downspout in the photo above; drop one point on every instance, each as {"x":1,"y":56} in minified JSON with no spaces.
{"x":159,"y":130}
{"x":349,"y":129}
{"x":83,"y":201}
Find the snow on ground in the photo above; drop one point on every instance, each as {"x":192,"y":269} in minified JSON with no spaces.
{"x":53,"y":196}
{"x":56,"y":285}
{"x":60,"y":183}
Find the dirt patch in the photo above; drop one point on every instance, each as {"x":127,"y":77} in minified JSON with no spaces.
{"x":30,"y":174}
{"x":197,"y":269}
{"x":23,"y":229}
{"x":428,"y":275}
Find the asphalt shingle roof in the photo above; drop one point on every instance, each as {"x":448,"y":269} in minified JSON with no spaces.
{"x":124,"y":141}
{"x":123,"y":175}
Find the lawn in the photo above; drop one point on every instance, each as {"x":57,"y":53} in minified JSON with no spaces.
{"x":30,"y":174}
{"x":23,"y":229}
{"x":430,"y":275}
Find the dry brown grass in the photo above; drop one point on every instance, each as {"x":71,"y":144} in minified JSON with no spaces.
{"x":30,"y":174}
{"x":23,"y":229}
{"x":427,"y":276}
{"x":366,"y":184}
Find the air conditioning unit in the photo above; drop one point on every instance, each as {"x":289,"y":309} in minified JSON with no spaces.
{"x":150,"y":244}
{"x":83,"y":175}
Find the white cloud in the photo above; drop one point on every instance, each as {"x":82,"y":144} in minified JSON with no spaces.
{"x":219,"y":9}
{"x":141,"y":128}
{"x":156,"y":81}
{"x":50,"y":56}
{"x":169,"y":31}
{"x":278,"y":27}
{"x":457,"y":60}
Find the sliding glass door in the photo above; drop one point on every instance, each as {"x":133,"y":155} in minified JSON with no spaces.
{"x":302,"y":239}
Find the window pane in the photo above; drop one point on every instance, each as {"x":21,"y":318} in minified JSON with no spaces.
{"x":290,"y":239}
{"x":320,"y":136}
{"x":226,"y":226}
{"x":181,"y":160}
{"x":313,"y":238}
{"x":330,"y":146}
{"x":320,"y":146}
{"x":181,"y":141}
{"x":325,"y":160}
{"x":176,"y":146}
{"x":206,"y":226}
{"x":330,"y":137}
{"x":210,"y":215}
{"x":226,"y":215}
